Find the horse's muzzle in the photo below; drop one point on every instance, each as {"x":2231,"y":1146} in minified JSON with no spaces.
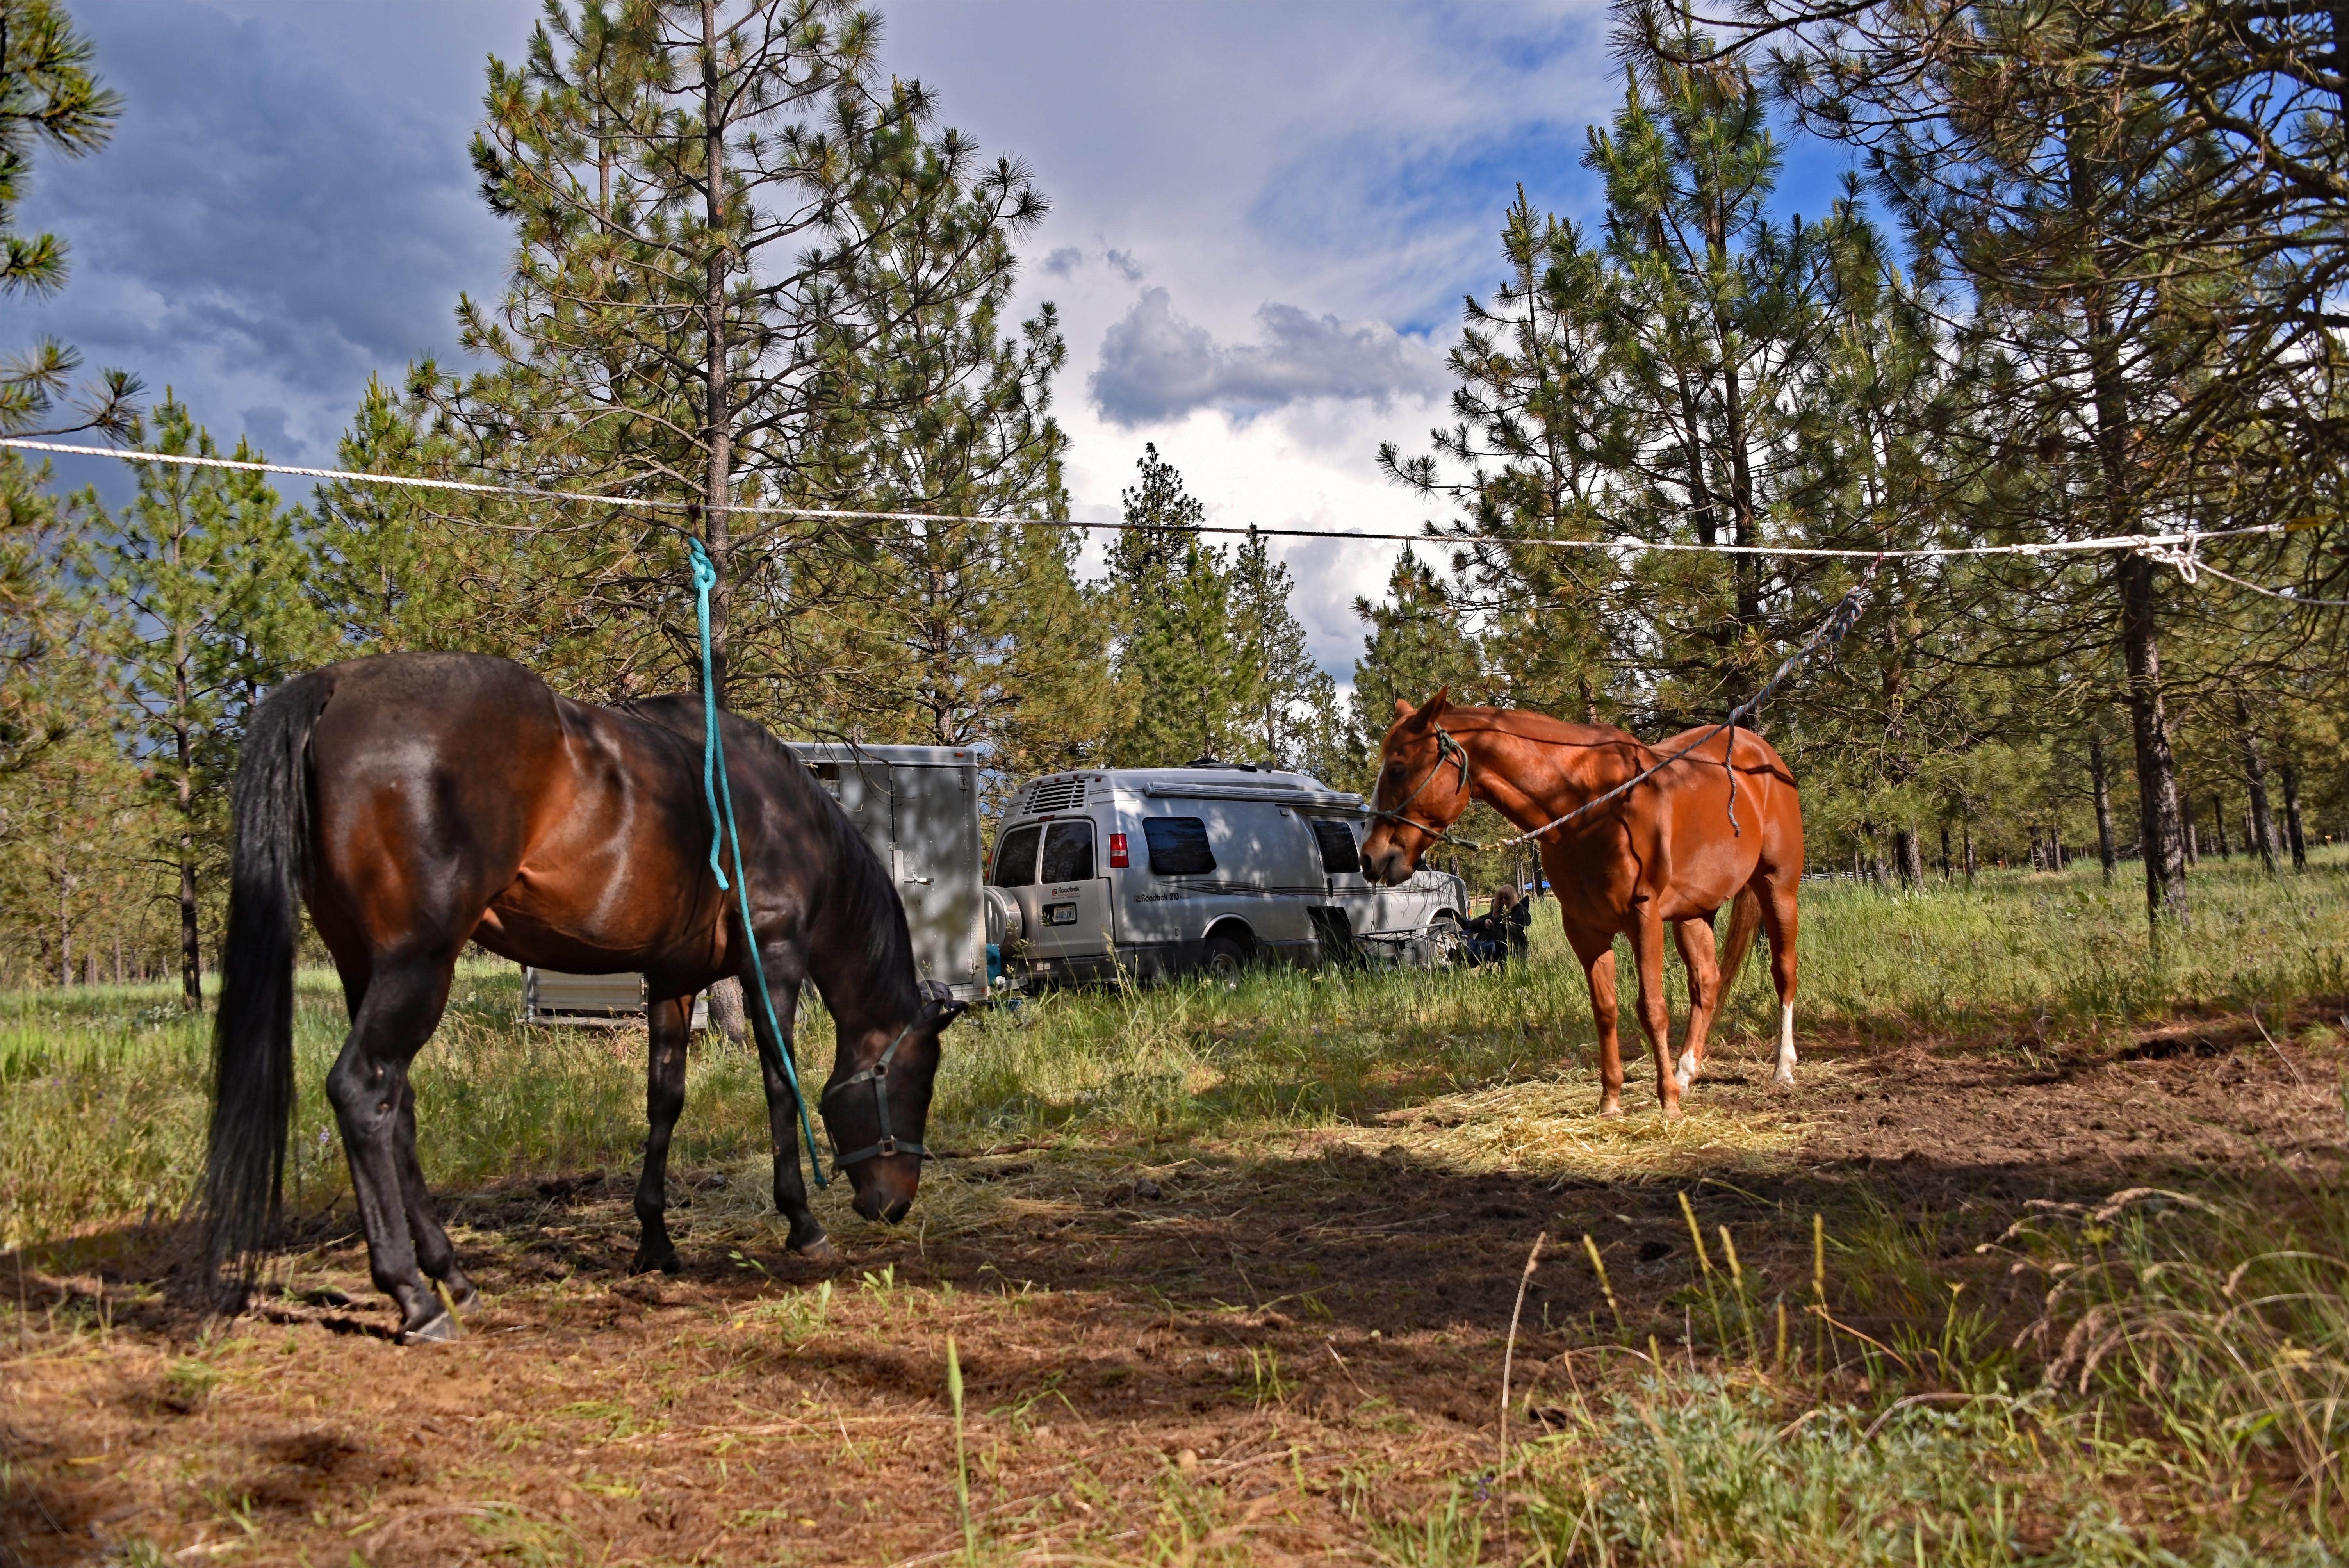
{"x":886,"y":1194}
{"x":1386,"y":867}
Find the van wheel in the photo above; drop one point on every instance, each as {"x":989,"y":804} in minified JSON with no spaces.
{"x":1225,"y":957}
{"x":1446,"y":945}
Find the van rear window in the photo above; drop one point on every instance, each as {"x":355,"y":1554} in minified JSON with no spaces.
{"x":1068,"y":852}
{"x":1337,"y":841}
{"x":1178,"y":846}
{"x":1015,"y":857}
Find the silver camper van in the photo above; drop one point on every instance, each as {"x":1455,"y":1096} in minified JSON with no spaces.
{"x":917,"y":806}
{"x":1157,"y":871}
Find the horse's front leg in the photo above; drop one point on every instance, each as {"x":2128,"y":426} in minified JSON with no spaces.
{"x":1597,"y":950}
{"x":806,"y":1232}
{"x":1655,"y":1015}
{"x":667,"y":1021}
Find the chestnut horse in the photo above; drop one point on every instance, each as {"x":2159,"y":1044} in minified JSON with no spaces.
{"x":1665,"y":851}
{"x":420,"y":801}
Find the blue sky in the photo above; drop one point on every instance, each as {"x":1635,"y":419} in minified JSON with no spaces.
{"x":1264,"y":217}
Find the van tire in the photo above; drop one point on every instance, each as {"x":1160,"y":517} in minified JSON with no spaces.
{"x":1223,"y":958}
{"x":1447,"y":944}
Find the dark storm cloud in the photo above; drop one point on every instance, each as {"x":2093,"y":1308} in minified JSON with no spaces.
{"x":1156,"y":366}
{"x":266,"y":227}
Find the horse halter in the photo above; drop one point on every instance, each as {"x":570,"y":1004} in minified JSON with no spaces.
{"x":1447,"y":751}
{"x":877,"y":1074}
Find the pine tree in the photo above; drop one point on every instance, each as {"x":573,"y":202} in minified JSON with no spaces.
{"x":1181,"y":691}
{"x":724,"y":215}
{"x":200,"y":575}
{"x":48,"y":98}
{"x":1416,"y":644}
{"x":1290,"y":698}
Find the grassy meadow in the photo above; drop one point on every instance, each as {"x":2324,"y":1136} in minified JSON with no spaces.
{"x":101,"y":1087}
{"x":2161,"y":1376}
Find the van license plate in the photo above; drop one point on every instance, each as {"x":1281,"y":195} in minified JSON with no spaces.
{"x":1060,"y":914}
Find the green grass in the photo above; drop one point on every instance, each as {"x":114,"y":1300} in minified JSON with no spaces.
{"x":102,"y":1088}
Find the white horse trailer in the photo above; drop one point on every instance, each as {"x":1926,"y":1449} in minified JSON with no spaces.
{"x":917,"y":807}
{"x":1161,"y":872}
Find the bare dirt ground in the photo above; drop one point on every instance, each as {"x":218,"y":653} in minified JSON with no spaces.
{"x":1281,"y":1348}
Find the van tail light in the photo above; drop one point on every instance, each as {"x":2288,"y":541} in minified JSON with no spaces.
{"x":1117,"y":851}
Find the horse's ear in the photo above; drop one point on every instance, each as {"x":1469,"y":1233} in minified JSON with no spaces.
{"x":948,"y":1011}
{"x":1427,"y":712}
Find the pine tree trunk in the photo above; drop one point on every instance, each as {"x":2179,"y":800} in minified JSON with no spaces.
{"x":1967,"y":823}
{"x":2193,"y":831}
{"x":718,"y":416}
{"x":64,"y":930}
{"x":191,"y":957}
{"x":2166,"y":839}
{"x":2219,"y":825}
{"x":2102,"y":788}
{"x":1945,"y":850}
{"x":2255,"y":780}
{"x":1910,"y":857}
{"x":2291,"y":817}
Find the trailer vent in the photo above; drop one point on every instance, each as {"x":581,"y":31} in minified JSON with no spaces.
{"x":1056,"y":795}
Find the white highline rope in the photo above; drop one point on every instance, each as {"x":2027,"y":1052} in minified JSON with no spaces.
{"x":2149,"y":542}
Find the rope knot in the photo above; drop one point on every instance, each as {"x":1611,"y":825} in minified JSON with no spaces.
{"x":2185,"y":556}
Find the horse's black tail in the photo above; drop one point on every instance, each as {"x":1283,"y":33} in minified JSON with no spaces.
{"x":252,"y":1037}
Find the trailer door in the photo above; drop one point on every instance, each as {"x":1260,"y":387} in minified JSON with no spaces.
{"x":934,"y":863}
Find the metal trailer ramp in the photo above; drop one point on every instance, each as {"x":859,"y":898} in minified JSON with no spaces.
{"x":917,"y":808}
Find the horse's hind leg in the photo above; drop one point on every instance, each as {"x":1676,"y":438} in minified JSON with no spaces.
{"x":806,"y":1232}
{"x":434,"y":1254}
{"x":667,"y":1021}
{"x":1780,"y":919}
{"x":369,"y":1090}
{"x":1694,"y":939}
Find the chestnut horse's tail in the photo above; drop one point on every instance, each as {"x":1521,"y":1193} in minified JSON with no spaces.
{"x":1744,"y":919}
{"x":252,"y":1037}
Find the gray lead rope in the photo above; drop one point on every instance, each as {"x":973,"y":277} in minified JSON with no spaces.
{"x":877,"y":1074}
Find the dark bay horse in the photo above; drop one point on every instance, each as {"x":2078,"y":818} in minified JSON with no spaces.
{"x":1666,"y":853}
{"x":420,"y":801}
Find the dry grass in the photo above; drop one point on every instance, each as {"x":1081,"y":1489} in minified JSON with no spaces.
{"x":1230,"y":1274}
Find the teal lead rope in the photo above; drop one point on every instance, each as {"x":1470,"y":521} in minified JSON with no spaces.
{"x":721,"y":798}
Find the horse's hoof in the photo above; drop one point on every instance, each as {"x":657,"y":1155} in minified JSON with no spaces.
{"x":821,"y":1253}
{"x":464,"y":1293}
{"x":440,"y":1328}
{"x":1612,"y":1110}
{"x":1784,"y":1077}
{"x":1672,"y":1110}
{"x":649,"y":1261}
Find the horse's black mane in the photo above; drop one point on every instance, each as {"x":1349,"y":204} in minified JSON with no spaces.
{"x":861,"y":897}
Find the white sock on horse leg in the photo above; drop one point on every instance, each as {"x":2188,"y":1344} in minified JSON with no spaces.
{"x":1786,"y":1042}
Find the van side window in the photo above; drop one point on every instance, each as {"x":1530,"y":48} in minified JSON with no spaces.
{"x":1015,"y":857}
{"x":1337,"y":841}
{"x":1068,"y":852}
{"x":1178,"y":846}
